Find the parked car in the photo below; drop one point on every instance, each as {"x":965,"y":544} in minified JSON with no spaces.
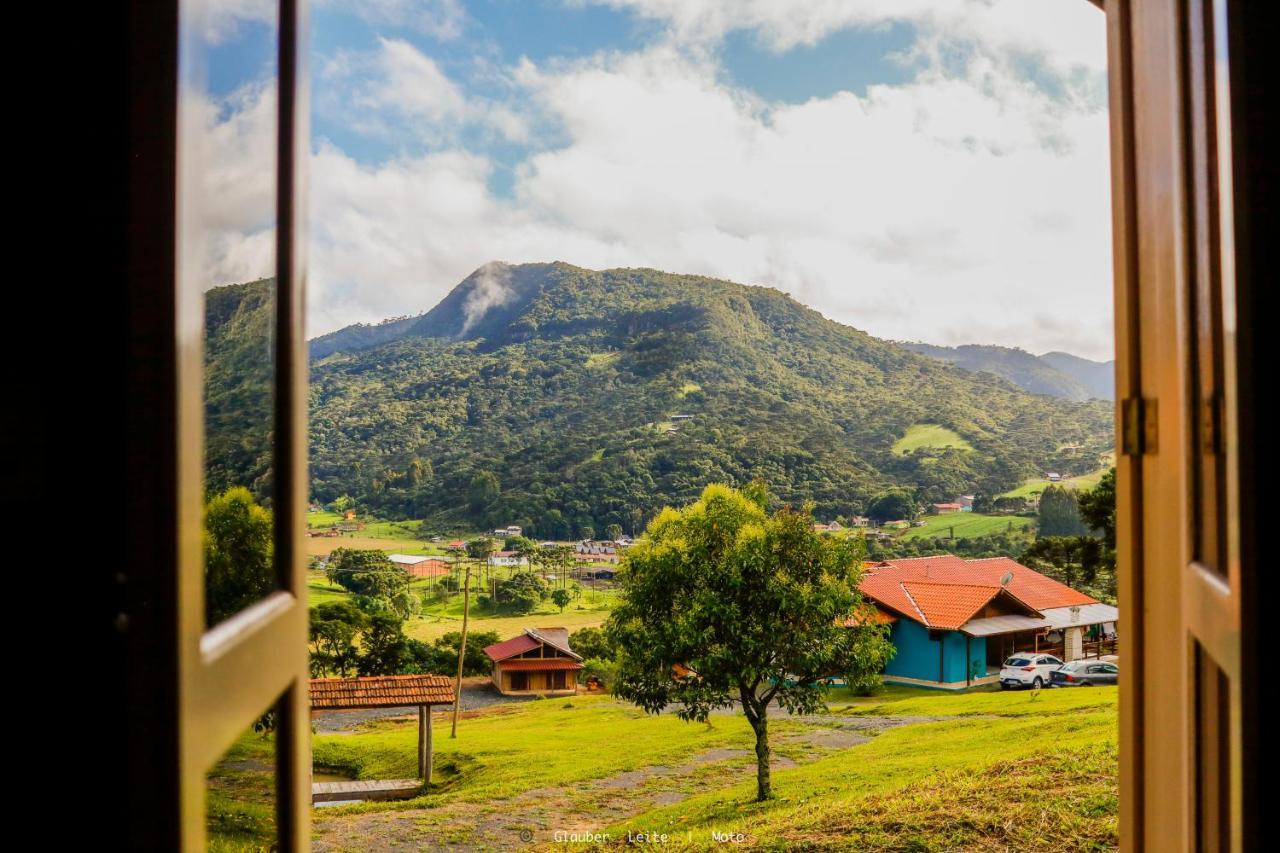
{"x":1086,"y":673}
{"x":1028,"y":669}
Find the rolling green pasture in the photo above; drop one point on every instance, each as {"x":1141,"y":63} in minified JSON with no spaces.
{"x":929,"y":435}
{"x":1035,"y":486}
{"x":966,"y":525}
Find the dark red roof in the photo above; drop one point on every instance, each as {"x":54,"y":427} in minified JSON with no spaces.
{"x":539,"y":664}
{"x":380,"y":691}
{"x":509,"y":648}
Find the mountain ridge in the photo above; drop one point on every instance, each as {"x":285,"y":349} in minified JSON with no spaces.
{"x":544,"y":395}
{"x":1057,"y":374}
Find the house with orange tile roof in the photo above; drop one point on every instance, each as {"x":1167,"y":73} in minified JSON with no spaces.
{"x":953,"y":621}
{"x":537,"y":662}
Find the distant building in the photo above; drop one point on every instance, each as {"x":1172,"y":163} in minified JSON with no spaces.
{"x":953,"y":622}
{"x":966,"y":503}
{"x":420,"y":567}
{"x":455,"y":545}
{"x":539,"y":661}
{"x":860,"y":521}
{"x":682,"y":417}
{"x":588,"y":546}
{"x":943,"y":508}
{"x":508,"y":558}
{"x":1053,"y":476}
{"x":509,"y":530}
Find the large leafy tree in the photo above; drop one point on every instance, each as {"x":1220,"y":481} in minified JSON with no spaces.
{"x":893,"y":505}
{"x":521,"y":593}
{"x":238,"y":566}
{"x":724,"y":603}
{"x":369,"y":573}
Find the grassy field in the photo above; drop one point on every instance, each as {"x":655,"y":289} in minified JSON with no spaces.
{"x":910,"y":769}
{"x":440,"y":617}
{"x":1033,"y":487}
{"x":965,"y":525}
{"x":929,"y":435}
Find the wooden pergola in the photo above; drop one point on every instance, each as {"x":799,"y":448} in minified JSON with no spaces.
{"x":388,"y":691}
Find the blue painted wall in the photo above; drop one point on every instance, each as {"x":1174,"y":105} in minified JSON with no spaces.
{"x":917,"y":655}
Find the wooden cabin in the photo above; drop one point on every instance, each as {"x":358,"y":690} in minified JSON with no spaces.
{"x":537,"y":662}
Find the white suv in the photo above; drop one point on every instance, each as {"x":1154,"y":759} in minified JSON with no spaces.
{"x":1027,"y":669}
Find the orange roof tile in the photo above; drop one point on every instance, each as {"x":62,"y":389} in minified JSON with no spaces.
{"x":948,"y":605}
{"x":885,"y":583}
{"x":380,"y":691}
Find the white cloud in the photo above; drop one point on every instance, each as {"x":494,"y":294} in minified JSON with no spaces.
{"x":229,"y":150}
{"x":398,"y":92}
{"x":969,"y":205}
{"x":443,"y":20}
{"x":1063,"y":31}
{"x":953,"y":210}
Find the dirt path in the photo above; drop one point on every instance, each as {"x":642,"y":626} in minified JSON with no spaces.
{"x":535,"y":817}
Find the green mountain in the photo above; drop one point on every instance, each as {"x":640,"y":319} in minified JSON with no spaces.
{"x":239,"y":331}
{"x":558,"y":398}
{"x":1097,"y":377}
{"x":1057,"y":374}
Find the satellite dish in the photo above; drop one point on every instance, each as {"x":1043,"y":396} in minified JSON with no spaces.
{"x":1005,"y":578}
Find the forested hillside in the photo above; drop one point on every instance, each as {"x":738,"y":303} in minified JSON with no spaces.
{"x":562,"y":398}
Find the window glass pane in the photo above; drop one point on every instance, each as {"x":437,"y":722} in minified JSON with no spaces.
{"x":228,"y":258}
{"x":240,"y":792}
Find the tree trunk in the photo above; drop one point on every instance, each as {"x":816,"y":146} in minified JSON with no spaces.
{"x":761,"y":727}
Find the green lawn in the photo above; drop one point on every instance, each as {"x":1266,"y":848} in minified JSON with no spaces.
{"x":430,"y":627}
{"x":921,"y":787}
{"x":966,"y":525}
{"x":929,"y":435}
{"x":986,"y":770}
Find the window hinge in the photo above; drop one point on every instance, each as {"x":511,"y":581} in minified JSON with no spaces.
{"x":1138,"y":426}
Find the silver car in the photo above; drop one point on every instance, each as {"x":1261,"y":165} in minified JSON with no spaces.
{"x":1086,"y":673}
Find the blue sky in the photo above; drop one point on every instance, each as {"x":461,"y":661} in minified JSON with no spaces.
{"x":922,"y":169}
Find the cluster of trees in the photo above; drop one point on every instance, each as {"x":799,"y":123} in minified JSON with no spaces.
{"x":992,"y":545}
{"x":1059,"y":513}
{"x":379,"y":585}
{"x":348,"y":640}
{"x":1086,"y":559}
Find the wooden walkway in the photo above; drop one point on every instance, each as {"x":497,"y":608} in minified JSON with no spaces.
{"x":365,"y":789}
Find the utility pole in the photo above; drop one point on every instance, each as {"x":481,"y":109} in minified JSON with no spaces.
{"x":462,"y":649}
